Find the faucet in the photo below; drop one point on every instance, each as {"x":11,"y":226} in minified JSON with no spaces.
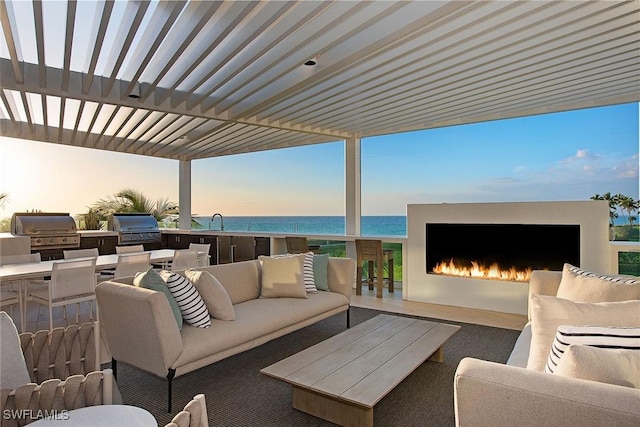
{"x":221,"y":221}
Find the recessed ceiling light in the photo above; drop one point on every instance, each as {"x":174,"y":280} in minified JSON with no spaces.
{"x":312,"y":62}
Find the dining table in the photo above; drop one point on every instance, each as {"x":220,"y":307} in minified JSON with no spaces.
{"x":23,"y":273}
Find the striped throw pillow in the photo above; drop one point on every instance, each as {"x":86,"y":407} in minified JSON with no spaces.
{"x":625,"y":280}
{"x":606,"y":337}
{"x":194,"y":310}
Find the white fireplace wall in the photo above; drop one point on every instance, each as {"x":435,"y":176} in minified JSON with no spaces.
{"x":502,"y":296}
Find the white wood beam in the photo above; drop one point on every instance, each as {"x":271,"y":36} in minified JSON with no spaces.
{"x":10,"y":29}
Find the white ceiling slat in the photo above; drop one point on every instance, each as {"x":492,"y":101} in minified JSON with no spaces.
{"x":290,"y":32}
{"x":474,"y":71}
{"x":273,"y":21}
{"x":204,"y":11}
{"x":225,"y":77}
{"x":128,"y":27}
{"x":283,"y":95}
{"x":10,"y":31}
{"x":283,"y":55}
{"x":246,"y":12}
{"x":96,"y":39}
{"x":39,"y":27}
{"x":7,"y":106}
{"x":152,"y":40}
{"x":68,"y":43}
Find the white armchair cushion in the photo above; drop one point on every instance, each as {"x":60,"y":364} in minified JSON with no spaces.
{"x":584,"y":286}
{"x":550,"y":312}
{"x":607,"y":337}
{"x":13,"y":369}
{"x":619,"y":367}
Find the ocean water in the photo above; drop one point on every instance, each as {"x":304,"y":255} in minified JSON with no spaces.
{"x":371,"y":225}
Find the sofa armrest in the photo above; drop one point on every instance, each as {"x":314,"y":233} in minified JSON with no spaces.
{"x":543,"y":282}
{"x":139,"y":326}
{"x":491,"y":394}
{"x":342,"y":275}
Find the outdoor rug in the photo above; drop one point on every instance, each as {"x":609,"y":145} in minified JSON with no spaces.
{"x":238,"y":395}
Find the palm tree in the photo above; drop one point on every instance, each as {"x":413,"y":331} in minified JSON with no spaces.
{"x":627,"y":204}
{"x":129,"y":200}
{"x":4,"y":198}
{"x":613,"y":214}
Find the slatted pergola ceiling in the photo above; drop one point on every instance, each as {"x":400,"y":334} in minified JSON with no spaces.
{"x":227,"y":77}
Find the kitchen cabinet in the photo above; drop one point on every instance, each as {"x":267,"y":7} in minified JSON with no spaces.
{"x":49,"y":254}
{"x":243,"y":248}
{"x":176,"y":241}
{"x":262,"y":246}
{"x":106,"y":245}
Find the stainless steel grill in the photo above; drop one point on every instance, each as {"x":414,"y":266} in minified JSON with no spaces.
{"x":135,"y":228}
{"x":46,"y":230}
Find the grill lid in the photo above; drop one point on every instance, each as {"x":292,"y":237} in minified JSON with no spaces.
{"x":132,"y":222}
{"x":42,"y":224}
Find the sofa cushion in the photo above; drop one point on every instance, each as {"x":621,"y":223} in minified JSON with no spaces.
{"x":584,"y":286}
{"x":150,"y":279}
{"x":321,"y":271}
{"x":255,"y":319}
{"x":550,"y":312}
{"x":13,"y":369}
{"x":308,"y":273}
{"x":619,"y":367}
{"x":213,"y":293}
{"x":193,"y":309}
{"x":282,"y":277}
{"x":608,"y":337}
{"x":241,"y":279}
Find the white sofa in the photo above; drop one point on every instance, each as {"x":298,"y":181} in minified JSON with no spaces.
{"x":140,"y":328}
{"x":492,"y":394}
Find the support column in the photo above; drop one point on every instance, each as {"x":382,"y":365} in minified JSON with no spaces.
{"x":353,"y":190}
{"x":184,"y":194}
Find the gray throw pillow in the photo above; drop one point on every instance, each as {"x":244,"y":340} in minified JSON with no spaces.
{"x":321,"y":271}
{"x":150,"y":279}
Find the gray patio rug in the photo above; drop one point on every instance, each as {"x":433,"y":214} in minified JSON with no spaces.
{"x":238,"y":395}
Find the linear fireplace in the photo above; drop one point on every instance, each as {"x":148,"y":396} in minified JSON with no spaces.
{"x":544,"y":234}
{"x":500,"y":251}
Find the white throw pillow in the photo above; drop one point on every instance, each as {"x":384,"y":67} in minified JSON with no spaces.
{"x":194,"y":310}
{"x":282,"y":277}
{"x":606,"y":337}
{"x":619,"y":367}
{"x":547,"y":313}
{"x":215,"y":296}
{"x":13,"y":369}
{"x":308,"y":274}
{"x":584,"y":286}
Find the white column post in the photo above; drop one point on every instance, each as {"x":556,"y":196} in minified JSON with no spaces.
{"x":184,"y":194}
{"x":353,"y":190}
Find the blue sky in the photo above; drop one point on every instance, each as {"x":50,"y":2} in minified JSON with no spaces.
{"x":560,"y":156}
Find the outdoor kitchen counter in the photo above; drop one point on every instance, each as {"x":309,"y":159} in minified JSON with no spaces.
{"x":279,"y":235}
{"x":97,"y":233}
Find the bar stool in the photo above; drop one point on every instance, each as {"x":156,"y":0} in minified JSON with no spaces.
{"x":298,"y":245}
{"x":372,"y":252}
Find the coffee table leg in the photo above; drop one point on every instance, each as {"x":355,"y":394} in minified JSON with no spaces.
{"x":438,"y":356}
{"x":331,"y":409}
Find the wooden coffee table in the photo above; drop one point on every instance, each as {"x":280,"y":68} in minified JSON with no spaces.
{"x":342,"y":378}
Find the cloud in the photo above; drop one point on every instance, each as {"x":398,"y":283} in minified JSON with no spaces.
{"x":582,"y":154}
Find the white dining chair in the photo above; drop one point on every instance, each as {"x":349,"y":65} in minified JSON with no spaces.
{"x":80,"y":253}
{"x":203,"y":253}
{"x":183,"y":259}
{"x":130,"y":264}
{"x":72,"y":282}
{"x":13,"y":293}
{"x":131,"y":249}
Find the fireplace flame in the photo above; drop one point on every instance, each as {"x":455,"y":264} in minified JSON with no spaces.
{"x":480,"y":271}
